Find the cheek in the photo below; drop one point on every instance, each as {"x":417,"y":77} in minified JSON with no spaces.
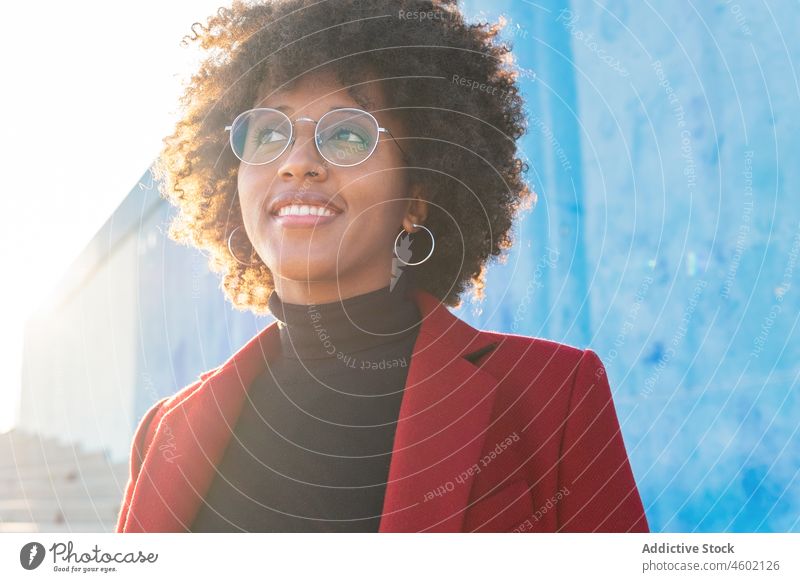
{"x":252,"y":186}
{"x":246,"y":186}
{"x":376,"y":209}
{"x":380,"y":192}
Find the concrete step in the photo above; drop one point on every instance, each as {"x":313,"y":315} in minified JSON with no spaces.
{"x":49,"y":510}
{"x":63,"y":489}
{"x":15,"y":447}
{"x":26,"y":447}
{"x":42,"y":487}
{"x":21,"y":436}
{"x":49,"y":527}
{"x":26,"y":444}
{"x":71,"y":471}
{"x":46,"y":458}
{"x":52,"y":486}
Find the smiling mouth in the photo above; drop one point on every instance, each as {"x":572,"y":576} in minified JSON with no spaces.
{"x":303,"y":210}
{"x":303,"y":215}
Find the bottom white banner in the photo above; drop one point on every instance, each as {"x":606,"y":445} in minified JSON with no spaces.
{"x":353,"y":557}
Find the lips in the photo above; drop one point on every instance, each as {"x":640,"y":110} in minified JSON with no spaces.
{"x":300,"y":198}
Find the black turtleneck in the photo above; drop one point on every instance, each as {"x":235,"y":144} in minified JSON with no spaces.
{"x":311,"y":449}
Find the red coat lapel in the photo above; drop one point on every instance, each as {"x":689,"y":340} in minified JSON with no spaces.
{"x":444,"y":414}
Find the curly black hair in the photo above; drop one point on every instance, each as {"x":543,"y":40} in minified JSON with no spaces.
{"x":453,"y":83}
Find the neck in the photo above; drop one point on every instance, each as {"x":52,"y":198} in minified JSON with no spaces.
{"x":316,"y":292}
{"x":337,"y":328}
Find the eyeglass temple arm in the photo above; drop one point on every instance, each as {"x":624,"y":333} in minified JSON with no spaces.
{"x":384,"y":130}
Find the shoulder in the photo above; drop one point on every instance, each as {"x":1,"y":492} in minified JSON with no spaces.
{"x":538,"y":367}
{"x":531,"y":352}
{"x":169,"y":402}
{"x":148,"y":424}
{"x":150,"y":419}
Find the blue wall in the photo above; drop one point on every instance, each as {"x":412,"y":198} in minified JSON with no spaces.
{"x":663,"y":144}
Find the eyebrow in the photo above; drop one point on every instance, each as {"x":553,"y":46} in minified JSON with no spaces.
{"x":288,"y":110}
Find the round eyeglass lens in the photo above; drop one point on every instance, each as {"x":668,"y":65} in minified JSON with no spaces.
{"x":346,"y":137}
{"x":259,"y":136}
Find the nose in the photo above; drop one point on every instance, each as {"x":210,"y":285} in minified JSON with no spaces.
{"x":302,"y":159}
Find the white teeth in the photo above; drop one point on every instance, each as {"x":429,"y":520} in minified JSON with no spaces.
{"x":303,"y":210}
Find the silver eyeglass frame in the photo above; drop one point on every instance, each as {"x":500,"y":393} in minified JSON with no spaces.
{"x":291,"y":139}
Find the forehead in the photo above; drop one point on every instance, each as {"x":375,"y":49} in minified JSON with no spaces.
{"x":323,"y":89}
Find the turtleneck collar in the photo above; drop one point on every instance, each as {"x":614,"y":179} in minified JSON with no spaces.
{"x":340,"y":328}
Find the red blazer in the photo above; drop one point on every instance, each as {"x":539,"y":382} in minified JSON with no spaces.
{"x":497,"y":432}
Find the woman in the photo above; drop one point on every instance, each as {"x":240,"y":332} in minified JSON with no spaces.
{"x":351,"y":167}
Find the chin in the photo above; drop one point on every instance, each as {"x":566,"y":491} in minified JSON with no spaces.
{"x":304,"y":272}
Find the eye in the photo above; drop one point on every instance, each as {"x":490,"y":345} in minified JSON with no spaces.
{"x":348,"y":135}
{"x":268,"y":135}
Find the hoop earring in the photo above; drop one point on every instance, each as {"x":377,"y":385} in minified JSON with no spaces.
{"x":230,"y":250}
{"x":433,"y":244}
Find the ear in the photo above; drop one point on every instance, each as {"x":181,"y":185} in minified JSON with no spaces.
{"x":417,"y":210}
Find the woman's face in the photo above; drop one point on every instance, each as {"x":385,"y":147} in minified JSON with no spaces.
{"x":327,"y":260}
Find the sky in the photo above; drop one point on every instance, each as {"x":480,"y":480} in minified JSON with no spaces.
{"x":89,"y":92}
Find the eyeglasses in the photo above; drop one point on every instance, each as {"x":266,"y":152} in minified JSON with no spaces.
{"x":344,"y":137}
